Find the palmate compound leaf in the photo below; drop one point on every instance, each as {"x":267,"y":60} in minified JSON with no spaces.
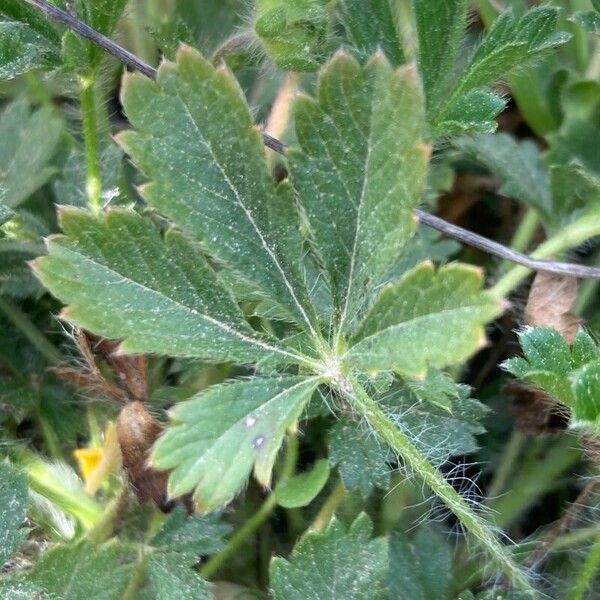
{"x":196,"y":139}
{"x":340,"y":563}
{"x":216,"y":438}
{"x":426,"y":318}
{"x":360,"y":171}
{"x":570,"y":374}
{"x":123,"y":281}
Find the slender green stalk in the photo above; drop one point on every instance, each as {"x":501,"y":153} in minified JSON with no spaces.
{"x":569,"y":237}
{"x":526,"y":230}
{"x":366,"y":407}
{"x":587,"y":573}
{"x":37,"y":339}
{"x":92,"y":147}
{"x":238,"y":539}
{"x":326,"y":512}
{"x":512,"y":450}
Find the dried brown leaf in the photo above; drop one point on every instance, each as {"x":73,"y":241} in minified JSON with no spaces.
{"x":550,"y":301}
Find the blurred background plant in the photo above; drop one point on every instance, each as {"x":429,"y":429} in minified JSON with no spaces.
{"x":515,"y":126}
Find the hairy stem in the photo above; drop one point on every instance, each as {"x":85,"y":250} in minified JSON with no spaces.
{"x":367,"y":408}
{"x":238,"y":539}
{"x":93,"y":184}
{"x":570,"y":236}
{"x":587,"y":573}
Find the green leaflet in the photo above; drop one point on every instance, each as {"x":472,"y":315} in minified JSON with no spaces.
{"x":17,"y":10}
{"x":426,"y":318}
{"x":28,"y":140}
{"x":294,"y":32}
{"x":519,"y":166}
{"x":13,"y":510}
{"x":361,"y":459}
{"x":102,"y":15}
{"x":195,"y":137}
{"x":339,"y":563}
{"x":171,"y":577}
{"x":217,"y":437}
{"x":302,"y":489}
{"x":361,"y":171}
{"x":571,"y":375}
{"x":514,"y":41}
{"x":191,"y":535}
{"x":440,"y":27}
{"x":378,"y":31}
{"x":420,"y":568}
{"x":123,"y":281}
{"x":22,"y":49}
{"x":84,"y":570}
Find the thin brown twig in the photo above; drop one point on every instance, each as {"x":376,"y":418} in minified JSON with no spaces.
{"x":453,"y":231}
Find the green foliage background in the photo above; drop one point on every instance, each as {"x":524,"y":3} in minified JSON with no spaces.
{"x":331,"y":376}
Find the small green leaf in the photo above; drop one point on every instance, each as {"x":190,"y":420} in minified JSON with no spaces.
{"x":362,"y":460}
{"x":474,"y":112}
{"x":440,"y":28}
{"x":437,"y":388}
{"x":426,"y":318}
{"x":377,"y":31}
{"x":123,"y":281}
{"x":84,"y":571}
{"x":13,"y":510}
{"x":293,"y":32}
{"x":361,"y":170}
{"x":216,"y":438}
{"x":302,"y":489}
{"x":513,"y":41}
{"x":571,"y":375}
{"x":588,"y":19}
{"x":17,"y":10}
{"x":194,"y":535}
{"x":28,"y":140}
{"x":421,"y":568}
{"x":519,"y":166}
{"x":22,"y":49}
{"x":339,"y":563}
{"x":171,"y":577}
{"x":197,"y":140}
